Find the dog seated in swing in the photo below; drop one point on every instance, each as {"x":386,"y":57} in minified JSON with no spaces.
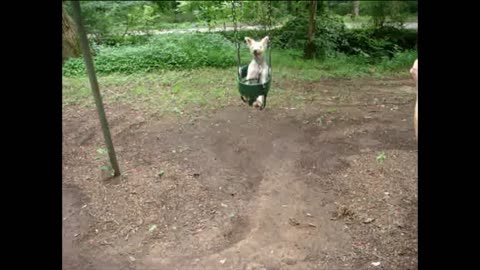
{"x":258,"y":68}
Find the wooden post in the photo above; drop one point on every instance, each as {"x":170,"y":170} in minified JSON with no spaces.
{"x":94,"y":84}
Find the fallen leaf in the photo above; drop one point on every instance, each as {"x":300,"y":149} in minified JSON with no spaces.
{"x":368,"y":220}
{"x":152,"y":227}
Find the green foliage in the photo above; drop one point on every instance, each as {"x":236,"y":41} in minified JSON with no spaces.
{"x":253,"y":12}
{"x":103,"y":18}
{"x":188,"y":51}
{"x":328,"y":34}
{"x":381,"y":11}
{"x":169,"y":51}
{"x":332,"y":37}
{"x":167,"y":6}
{"x":185,"y":92}
{"x":341,"y":8}
{"x":107,"y":20}
{"x":147,"y":18}
{"x":116,"y":51}
{"x":124,"y":41}
{"x":210,"y":12}
{"x":381,"y":157}
{"x":378,"y":43}
{"x":255,"y":34}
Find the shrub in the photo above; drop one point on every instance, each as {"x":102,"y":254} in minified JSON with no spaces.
{"x":168,"y":51}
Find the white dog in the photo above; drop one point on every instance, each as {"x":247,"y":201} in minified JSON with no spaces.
{"x":258,"y":68}
{"x":414,"y":72}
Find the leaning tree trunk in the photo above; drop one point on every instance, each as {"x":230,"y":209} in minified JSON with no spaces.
{"x":356,"y":9}
{"x":70,"y":42}
{"x":310,"y":46}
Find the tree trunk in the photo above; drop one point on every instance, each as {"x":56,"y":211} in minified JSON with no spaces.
{"x":356,"y":9}
{"x":70,"y":42}
{"x":310,"y":46}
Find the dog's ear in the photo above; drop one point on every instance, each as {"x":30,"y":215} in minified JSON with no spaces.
{"x":249,"y":41}
{"x":265,"y":40}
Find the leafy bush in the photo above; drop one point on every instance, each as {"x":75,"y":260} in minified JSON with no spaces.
{"x":392,"y":11}
{"x":341,"y":8}
{"x":378,"y":43}
{"x":328,"y":34}
{"x":403,"y":38}
{"x":332,"y":37}
{"x":125,"y":41}
{"x":186,"y":51}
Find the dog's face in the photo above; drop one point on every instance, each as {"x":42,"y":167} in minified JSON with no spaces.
{"x":257,"y":48}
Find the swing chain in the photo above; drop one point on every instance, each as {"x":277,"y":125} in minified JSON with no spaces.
{"x":237,"y":43}
{"x":269,"y":16}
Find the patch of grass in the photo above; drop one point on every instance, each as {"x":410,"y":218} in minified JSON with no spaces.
{"x":289,"y":65}
{"x":141,"y":90}
{"x":102,"y":155}
{"x":160,"y":92}
{"x":332,"y":110}
{"x":187,"y":92}
{"x":76,"y":92}
{"x":402,"y":61}
{"x":381,"y":157}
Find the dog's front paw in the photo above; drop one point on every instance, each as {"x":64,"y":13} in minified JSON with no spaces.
{"x":258,"y":104}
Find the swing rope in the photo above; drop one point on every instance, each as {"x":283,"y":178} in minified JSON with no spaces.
{"x":235,"y":32}
{"x":269,"y":23}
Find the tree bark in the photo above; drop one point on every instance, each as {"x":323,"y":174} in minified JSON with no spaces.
{"x":310,"y":46}
{"x":70,"y":42}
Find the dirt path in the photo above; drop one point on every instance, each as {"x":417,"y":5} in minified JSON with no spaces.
{"x":241,"y":189}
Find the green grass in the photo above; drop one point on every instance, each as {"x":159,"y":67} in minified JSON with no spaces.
{"x":289,"y":65}
{"x":159,"y":92}
{"x":187,"y":92}
{"x":185,"y":74}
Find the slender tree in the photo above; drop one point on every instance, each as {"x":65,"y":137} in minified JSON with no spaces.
{"x":310,"y":46}
{"x":70,"y":42}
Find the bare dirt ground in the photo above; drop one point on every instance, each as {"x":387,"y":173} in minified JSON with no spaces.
{"x":331,"y":185}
